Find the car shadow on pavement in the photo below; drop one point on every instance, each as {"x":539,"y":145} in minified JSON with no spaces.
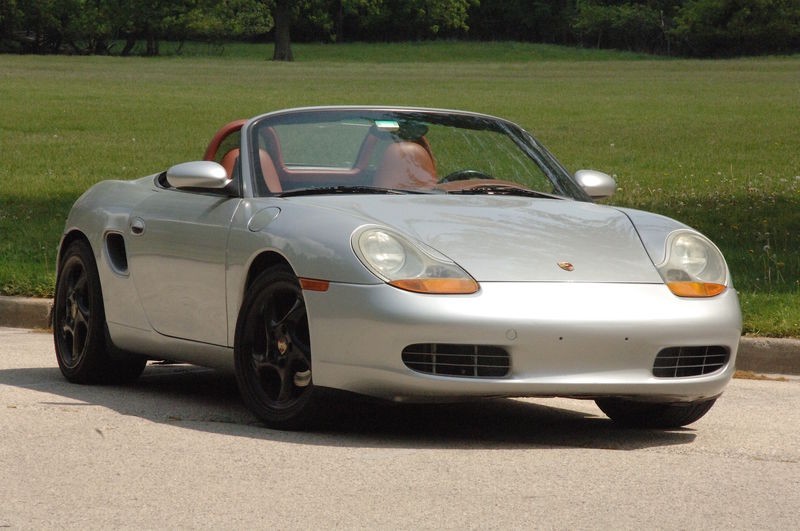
{"x":208,"y":401}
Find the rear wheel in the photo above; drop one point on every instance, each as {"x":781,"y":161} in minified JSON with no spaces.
{"x":79,"y":324}
{"x":634,"y":414}
{"x":273,"y":352}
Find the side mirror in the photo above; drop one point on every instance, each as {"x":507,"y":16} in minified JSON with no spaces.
{"x":199,"y":174}
{"x":597,"y":184}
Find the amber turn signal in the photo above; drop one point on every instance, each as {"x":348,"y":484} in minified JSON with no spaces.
{"x":440,"y":286}
{"x":695,"y":289}
{"x":312,"y":284}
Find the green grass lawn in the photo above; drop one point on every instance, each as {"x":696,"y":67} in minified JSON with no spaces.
{"x":712,"y":143}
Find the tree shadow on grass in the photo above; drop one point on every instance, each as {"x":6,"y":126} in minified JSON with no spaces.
{"x":208,"y":401}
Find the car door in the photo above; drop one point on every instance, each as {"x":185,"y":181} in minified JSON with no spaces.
{"x":177,"y":259}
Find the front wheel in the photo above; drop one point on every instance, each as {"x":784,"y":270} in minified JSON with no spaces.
{"x":273,"y":352}
{"x":632,"y":414}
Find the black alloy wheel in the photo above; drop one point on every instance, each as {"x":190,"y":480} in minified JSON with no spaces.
{"x":273,"y":351}
{"x":79,"y":326}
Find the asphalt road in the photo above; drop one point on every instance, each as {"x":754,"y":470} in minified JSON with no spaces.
{"x":178,"y":450}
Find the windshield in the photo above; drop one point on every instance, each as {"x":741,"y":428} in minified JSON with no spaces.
{"x":324,"y":151}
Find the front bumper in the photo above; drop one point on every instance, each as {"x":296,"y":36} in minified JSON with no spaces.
{"x":565,"y":339}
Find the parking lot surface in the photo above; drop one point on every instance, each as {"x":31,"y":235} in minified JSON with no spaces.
{"x":177,"y":449}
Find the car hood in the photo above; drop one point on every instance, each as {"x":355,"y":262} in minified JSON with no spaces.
{"x":502,"y":238}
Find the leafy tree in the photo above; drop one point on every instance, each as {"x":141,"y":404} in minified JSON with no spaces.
{"x":9,"y":16}
{"x":334,"y":20}
{"x":727,"y":27}
{"x":694,"y":27}
{"x":214,"y":21}
{"x":356,"y":10}
{"x":326,"y":17}
{"x":41,"y":25}
{"x":421,"y":19}
{"x":522,"y":20}
{"x":631,"y":25}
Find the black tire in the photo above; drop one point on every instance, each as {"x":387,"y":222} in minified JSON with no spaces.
{"x":273,"y":352}
{"x":632,"y":414}
{"x":83,"y":350}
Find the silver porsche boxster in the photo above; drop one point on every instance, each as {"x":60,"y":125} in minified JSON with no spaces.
{"x":401,"y":253}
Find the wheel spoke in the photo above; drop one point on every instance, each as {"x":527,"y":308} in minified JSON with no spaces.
{"x":259,"y":361}
{"x":294,"y":315}
{"x":299,"y":357}
{"x":77,"y":344}
{"x":80,"y":283}
{"x":269,"y":331}
{"x":82,"y":297}
{"x":68,"y":339}
{"x":295,"y":322}
{"x":82,"y":317}
{"x":84,"y":313}
{"x":287,"y":386}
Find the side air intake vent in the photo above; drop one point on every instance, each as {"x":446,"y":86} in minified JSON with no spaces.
{"x":117,"y":257}
{"x":679,"y":362}
{"x":466,"y":361}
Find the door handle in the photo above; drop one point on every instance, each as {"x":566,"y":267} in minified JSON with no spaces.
{"x":137,"y":226}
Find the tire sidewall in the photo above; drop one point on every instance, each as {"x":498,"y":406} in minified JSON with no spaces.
{"x":296,"y":415}
{"x":86,"y":367}
{"x":633,"y":414}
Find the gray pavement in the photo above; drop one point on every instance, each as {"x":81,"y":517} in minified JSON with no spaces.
{"x":178,"y":450}
{"x":758,"y":354}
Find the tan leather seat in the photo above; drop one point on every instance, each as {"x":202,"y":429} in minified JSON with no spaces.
{"x":229,"y":161}
{"x":268,"y":170}
{"x":406,"y":165}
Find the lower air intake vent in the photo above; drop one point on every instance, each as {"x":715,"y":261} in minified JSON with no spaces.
{"x":466,"y":361}
{"x":677,"y":362}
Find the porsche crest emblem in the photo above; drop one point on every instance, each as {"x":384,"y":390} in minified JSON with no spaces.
{"x":566,"y":266}
{"x":283,"y":346}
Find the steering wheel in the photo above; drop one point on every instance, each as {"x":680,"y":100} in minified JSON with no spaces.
{"x":464,"y":175}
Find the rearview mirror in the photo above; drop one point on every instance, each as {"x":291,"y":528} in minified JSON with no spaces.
{"x":597,"y":184}
{"x":198,"y":174}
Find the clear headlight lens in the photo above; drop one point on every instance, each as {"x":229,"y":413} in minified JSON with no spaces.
{"x":385,"y":252}
{"x":693,"y":267}
{"x":410,"y":266}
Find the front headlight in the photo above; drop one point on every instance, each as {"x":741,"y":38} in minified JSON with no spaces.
{"x":410,"y":266}
{"x":693,"y":266}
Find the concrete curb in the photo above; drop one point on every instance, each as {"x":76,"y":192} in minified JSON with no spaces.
{"x":757,"y":354}
{"x":24,"y":312}
{"x":769,"y":355}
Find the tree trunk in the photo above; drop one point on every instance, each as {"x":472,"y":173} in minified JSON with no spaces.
{"x":283,"y":21}
{"x":338,"y":27}
{"x":130,"y":42}
{"x":152,"y":45}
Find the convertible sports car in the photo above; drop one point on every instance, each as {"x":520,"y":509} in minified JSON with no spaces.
{"x":407,"y":254}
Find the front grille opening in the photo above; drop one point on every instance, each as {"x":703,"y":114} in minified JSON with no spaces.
{"x":466,"y":361}
{"x":679,"y":362}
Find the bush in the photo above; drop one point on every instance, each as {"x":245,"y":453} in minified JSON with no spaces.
{"x":628,"y":26}
{"x":738,"y":27}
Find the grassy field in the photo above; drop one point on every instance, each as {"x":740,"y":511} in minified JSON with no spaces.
{"x":712,"y":143}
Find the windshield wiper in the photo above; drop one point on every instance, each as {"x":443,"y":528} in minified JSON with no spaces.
{"x":502,"y":189}
{"x":325,"y":190}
